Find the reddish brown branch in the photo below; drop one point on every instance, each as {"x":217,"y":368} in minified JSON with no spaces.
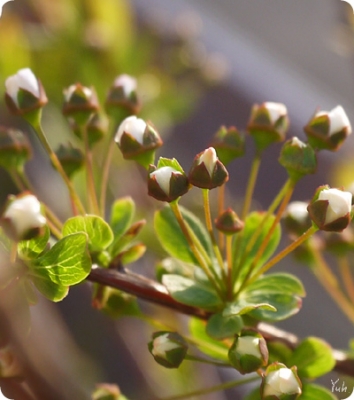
{"x":154,"y":292}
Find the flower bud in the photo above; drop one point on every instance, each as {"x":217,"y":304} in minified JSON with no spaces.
{"x":207,"y":171}
{"x":249,"y":352}
{"x":168,"y":348}
{"x":229,"y":144}
{"x":122,"y":95}
{"x":138,"y":140}
{"x":298,"y":158}
{"x":167,"y":184}
{"x":24,"y":92}
{"x":280,"y":382}
{"x":330,"y":209}
{"x":268,"y":124}
{"x":71,"y":159}
{"x":296,"y":218}
{"x":328,"y":129}
{"x":15,"y":149}
{"x":22,"y":219}
{"x":80,"y":102}
{"x":339,"y":243}
{"x":228,"y":222}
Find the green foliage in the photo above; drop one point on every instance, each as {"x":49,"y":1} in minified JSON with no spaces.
{"x":172,"y":238}
{"x":122,"y":215}
{"x":30,"y":249}
{"x":67,"y":263}
{"x":311,"y":391}
{"x":243,"y":260}
{"x":99,"y":233}
{"x":221,"y":327}
{"x":313,"y":358}
{"x":187,"y":291}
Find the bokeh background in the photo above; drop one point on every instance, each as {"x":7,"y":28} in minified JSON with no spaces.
{"x":199,"y":64}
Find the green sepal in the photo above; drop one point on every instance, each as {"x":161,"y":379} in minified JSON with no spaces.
{"x":30,"y":249}
{"x":172,"y":238}
{"x":221,"y":327}
{"x":313,"y":358}
{"x":170,"y":162}
{"x":99,"y":233}
{"x":187,"y":291}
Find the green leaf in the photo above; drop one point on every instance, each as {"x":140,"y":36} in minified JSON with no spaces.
{"x":211,"y":347}
{"x":281,"y":290}
{"x":188,"y":292}
{"x":255,"y":394}
{"x":313,"y":358}
{"x":242,"y":306}
{"x":99,"y":233}
{"x":122,"y":214}
{"x":312,"y":391}
{"x":67,"y":263}
{"x":252,"y":223}
{"x":222,"y":327}
{"x":172,"y":238}
{"x":29,"y":249}
{"x":278,"y":351}
{"x":133,"y":254}
{"x":171,"y":265}
{"x":49,"y":289}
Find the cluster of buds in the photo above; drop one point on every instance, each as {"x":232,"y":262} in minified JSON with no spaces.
{"x":168,"y":348}
{"x":22,"y":218}
{"x":328,"y":129}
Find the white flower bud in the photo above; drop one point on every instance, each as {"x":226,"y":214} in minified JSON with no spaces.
{"x":68,"y":92}
{"x":24,"y":79}
{"x":133,"y":126}
{"x":248,"y":345}
{"x":275,"y":110}
{"x":298,"y":211}
{"x":2,"y":3}
{"x":209,"y":158}
{"x":162,"y":344}
{"x":23,"y":215}
{"x":338,"y":120}
{"x":281,"y":381}
{"x":127,"y":83}
{"x":339,"y":203}
{"x":163,"y":177}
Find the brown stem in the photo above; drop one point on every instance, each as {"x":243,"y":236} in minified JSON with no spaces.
{"x":154,"y":292}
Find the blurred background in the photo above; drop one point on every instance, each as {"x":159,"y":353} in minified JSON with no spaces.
{"x":200,"y":64}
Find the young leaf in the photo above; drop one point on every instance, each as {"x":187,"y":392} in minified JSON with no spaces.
{"x":67,"y":263}
{"x":221,"y":327}
{"x":122,"y":214}
{"x":252,"y":223}
{"x":243,"y":306}
{"x":211,"y":347}
{"x":313,"y":358}
{"x":49,"y":289}
{"x":311,"y":391}
{"x":99,"y":233}
{"x":172,"y":238}
{"x":28,"y":249}
{"x":133,"y":253}
{"x":282,"y":291}
{"x":188,"y":292}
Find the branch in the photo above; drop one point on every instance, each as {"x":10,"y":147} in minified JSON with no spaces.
{"x":154,"y":292}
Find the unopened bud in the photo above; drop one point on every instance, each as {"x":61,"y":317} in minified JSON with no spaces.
{"x":328,"y":129}
{"x":268,"y":124}
{"x":22,"y":218}
{"x":15,"y":149}
{"x":122,"y":96}
{"x":330,"y":209}
{"x":168,"y":348}
{"x":207,"y":171}
{"x":71,"y":159}
{"x":229,"y":223}
{"x":229,"y":144}
{"x":24,"y":92}
{"x":249,"y":352}
{"x":296,"y":218}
